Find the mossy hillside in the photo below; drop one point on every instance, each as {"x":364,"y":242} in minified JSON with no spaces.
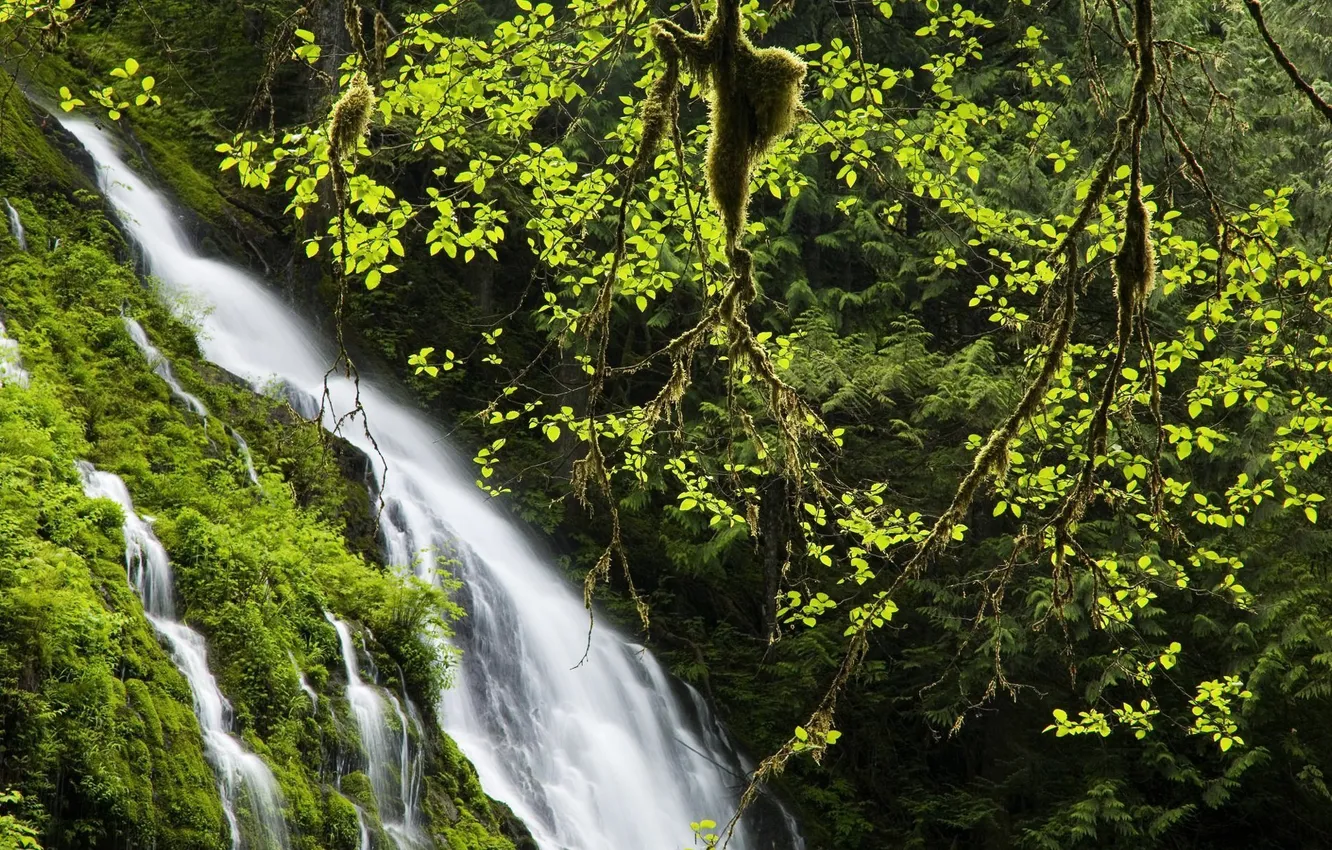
{"x":256,"y":566}
{"x":27,"y":158}
{"x":173,"y":142}
{"x":96,"y":725}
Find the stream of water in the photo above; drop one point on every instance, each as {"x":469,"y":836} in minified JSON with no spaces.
{"x":251,"y":799}
{"x":393,"y":767}
{"x":609,"y":754}
{"x":11,"y":364}
{"x":162,"y":367}
{"x":16,"y":226}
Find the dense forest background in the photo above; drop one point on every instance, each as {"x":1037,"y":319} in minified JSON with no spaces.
{"x":1022,"y":561}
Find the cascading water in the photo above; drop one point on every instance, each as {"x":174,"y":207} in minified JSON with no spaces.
{"x":598,"y":756}
{"x":246,"y":456}
{"x":305,"y":684}
{"x":11,"y":364}
{"x":162,"y":367}
{"x":247,"y":786}
{"x":364,"y":828}
{"x":16,"y":226}
{"x":393,"y":771}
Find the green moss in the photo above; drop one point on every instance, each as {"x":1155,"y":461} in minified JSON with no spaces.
{"x":462,"y":815}
{"x":356,"y":787}
{"x":141,"y":703}
{"x":27,"y":159}
{"x":342,"y":830}
{"x":123,"y":748}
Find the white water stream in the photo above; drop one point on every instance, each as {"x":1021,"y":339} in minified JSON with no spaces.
{"x":162,"y":367}
{"x":247,"y":457}
{"x":305,"y":684}
{"x":364,"y":828}
{"x":248,"y":789}
{"x":607,"y":755}
{"x":11,"y":364}
{"x":394,"y":770}
{"x":16,"y":226}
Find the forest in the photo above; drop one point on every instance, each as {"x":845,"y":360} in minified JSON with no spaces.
{"x":665,"y":424}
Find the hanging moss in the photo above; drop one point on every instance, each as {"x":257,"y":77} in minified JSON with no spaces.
{"x":350,"y":119}
{"x":754,"y":95}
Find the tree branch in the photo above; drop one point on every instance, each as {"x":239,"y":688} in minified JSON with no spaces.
{"x":1256,"y":12}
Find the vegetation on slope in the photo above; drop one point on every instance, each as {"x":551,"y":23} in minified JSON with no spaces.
{"x":98,"y":732}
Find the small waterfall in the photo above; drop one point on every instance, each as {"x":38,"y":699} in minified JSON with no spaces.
{"x":162,"y":367}
{"x":16,"y":226}
{"x":589,"y":757}
{"x":11,"y":364}
{"x":245,"y":453}
{"x":395,"y":775}
{"x":365,"y":829}
{"x":411,"y":775}
{"x":246,"y":784}
{"x":305,"y":684}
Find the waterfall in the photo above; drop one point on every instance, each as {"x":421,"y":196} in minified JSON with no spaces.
{"x":162,"y":367}
{"x":365,"y":829}
{"x":305,"y":684}
{"x":244,"y":781}
{"x":598,"y":756}
{"x":16,"y":226}
{"x":11,"y":364}
{"x":245,"y":455}
{"x":394,"y":773}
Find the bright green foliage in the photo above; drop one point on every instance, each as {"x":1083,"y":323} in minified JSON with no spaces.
{"x":916,"y":242}
{"x":45,"y":12}
{"x":938,"y":157}
{"x":14,"y":833}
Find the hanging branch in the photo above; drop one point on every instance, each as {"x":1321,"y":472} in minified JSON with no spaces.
{"x":754,"y":95}
{"x":659,"y":114}
{"x":821,"y":719}
{"x":1256,"y":12}
{"x":1134,"y":270}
